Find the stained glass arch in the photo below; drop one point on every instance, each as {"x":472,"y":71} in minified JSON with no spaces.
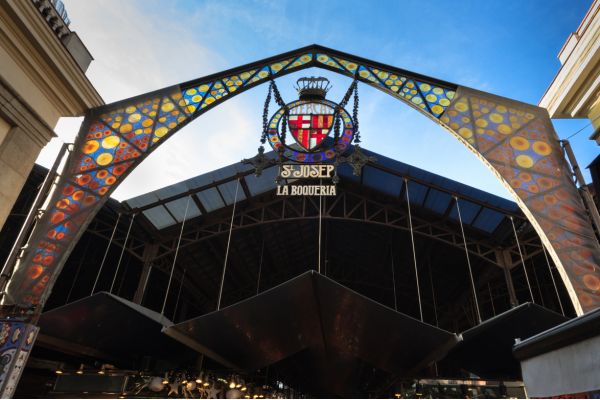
{"x":515,"y":140}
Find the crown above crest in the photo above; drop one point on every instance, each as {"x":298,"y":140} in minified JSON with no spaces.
{"x":312,"y":88}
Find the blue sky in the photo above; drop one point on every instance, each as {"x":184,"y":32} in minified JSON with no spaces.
{"x":508,"y":48}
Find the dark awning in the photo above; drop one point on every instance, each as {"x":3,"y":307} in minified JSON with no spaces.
{"x":110,"y":328}
{"x":486,"y":350}
{"x":312,"y":312}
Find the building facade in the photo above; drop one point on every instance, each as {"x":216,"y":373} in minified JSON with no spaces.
{"x":42,"y":78}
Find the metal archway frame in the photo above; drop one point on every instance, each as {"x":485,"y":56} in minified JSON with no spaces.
{"x":515,"y":140}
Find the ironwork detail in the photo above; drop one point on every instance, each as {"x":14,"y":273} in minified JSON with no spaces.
{"x":260,"y":161}
{"x":358,"y":160}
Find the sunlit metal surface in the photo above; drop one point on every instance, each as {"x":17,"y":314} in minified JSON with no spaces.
{"x":486,"y":350}
{"x":335,"y":324}
{"x":111,"y":325}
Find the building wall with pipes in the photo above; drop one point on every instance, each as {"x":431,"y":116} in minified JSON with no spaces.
{"x":575,"y":90}
{"x":42,"y":78}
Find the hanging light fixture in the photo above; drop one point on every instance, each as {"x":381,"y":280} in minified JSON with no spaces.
{"x":398,"y":391}
{"x":61,"y":368}
{"x":102,"y":370}
{"x":184,"y":378}
{"x":80,"y":370}
{"x":199,"y":379}
{"x":232,"y":382}
{"x":166,"y":379}
{"x":244,"y":388}
{"x":238,"y":382}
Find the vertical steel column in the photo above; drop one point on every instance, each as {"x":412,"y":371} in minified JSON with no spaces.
{"x":503,"y":258}
{"x":587,"y":197}
{"x":150,"y":251}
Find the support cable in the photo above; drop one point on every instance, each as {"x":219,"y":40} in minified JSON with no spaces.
{"x":178,"y":295}
{"x":162,"y":312}
{"x":553,"y":281}
{"x":433,"y":294}
{"x":468,"y":260}
{"x":393,"y":276}
{"x":491,"y":298}
{"x":320,"y":218}
{"x":105,"y":254}
{"x":122,"y":251}
{"x":78,"y":268}
{"x":522,"y":260}
{"x":412,"y":238}
{"x":538,"y":282}
{"x":228,"y":242}
{"x":260,"y":266}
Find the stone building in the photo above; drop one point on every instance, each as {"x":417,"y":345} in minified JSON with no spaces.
{"x":42,"y":78}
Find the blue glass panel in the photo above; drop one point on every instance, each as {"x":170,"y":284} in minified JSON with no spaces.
{"x":468,"y":211}
{"x":210,"y":199}
{"x":474,"y":193}
{"x":388,"y":162}
{"x":223,"y":173}
{"x":239,"y":167}
{"x":382,"y":181}
{"x":347,"y":172}
{"x":416,"y":193}
{"x":199,"y":181}
{"x":503,"y":203}
{"x":421,"y":174}
{"x":446,"y":183}
{"x":177,"y":208}
{"x":141,"y":201}
{"x":263,"y":183}
{"x":488,"y":220}
{"x":437,"y":201}
{"x":228,"y":191}
{"x":159,"y":217}
{"x":172,"y":190}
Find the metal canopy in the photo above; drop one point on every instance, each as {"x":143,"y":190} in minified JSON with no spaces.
{"x":215,"y":190}
{"x":109,"y":325}
{"x":312,"y":312}
{"x":486,"y":350}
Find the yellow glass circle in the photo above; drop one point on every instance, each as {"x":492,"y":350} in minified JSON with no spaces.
{"x":245,"y":75}
{"x":203,"y":88}
{"x":431,"y":97}
{"x":191,"y":92}
{"x":197,"y":99}
{"x":104,"y":159}
{"x":160,"y":132}
{"x":501,"y":109}
{"x":126,"y":128}
{"x":90,"y":147}
{"x":519,"y":143}
{"x":524,"y":161}
{"x":425,"y":87}
{"x":482,"y":123}
{"x":417,"y":100}
{"x":496,"y":118}
{"x":438,"y":91}
{"x":210,"y":100}
{"x":437,"y":109}
{"x":190,"y":109}
{"x":261,"y":75}
{"x":351,"y":66}
{"x":305,"y":58}
{"x":450,"y":94}
{"x":130,"y":109}
{"x":445,"y":102}
{"x":111,"y":142}
{"x":383,"y":75}
{"x":177,"y":96}
{"x":138,"y":131}
{"x":504,"y":129}
{"x":461,"y":107}
{"x":542,"y":148}
{"x":168,"y":107}
{"x":364,"y":73}
{"x":133,"y":118}
{"x":465,"y":132}
{"x":147,"y":122}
